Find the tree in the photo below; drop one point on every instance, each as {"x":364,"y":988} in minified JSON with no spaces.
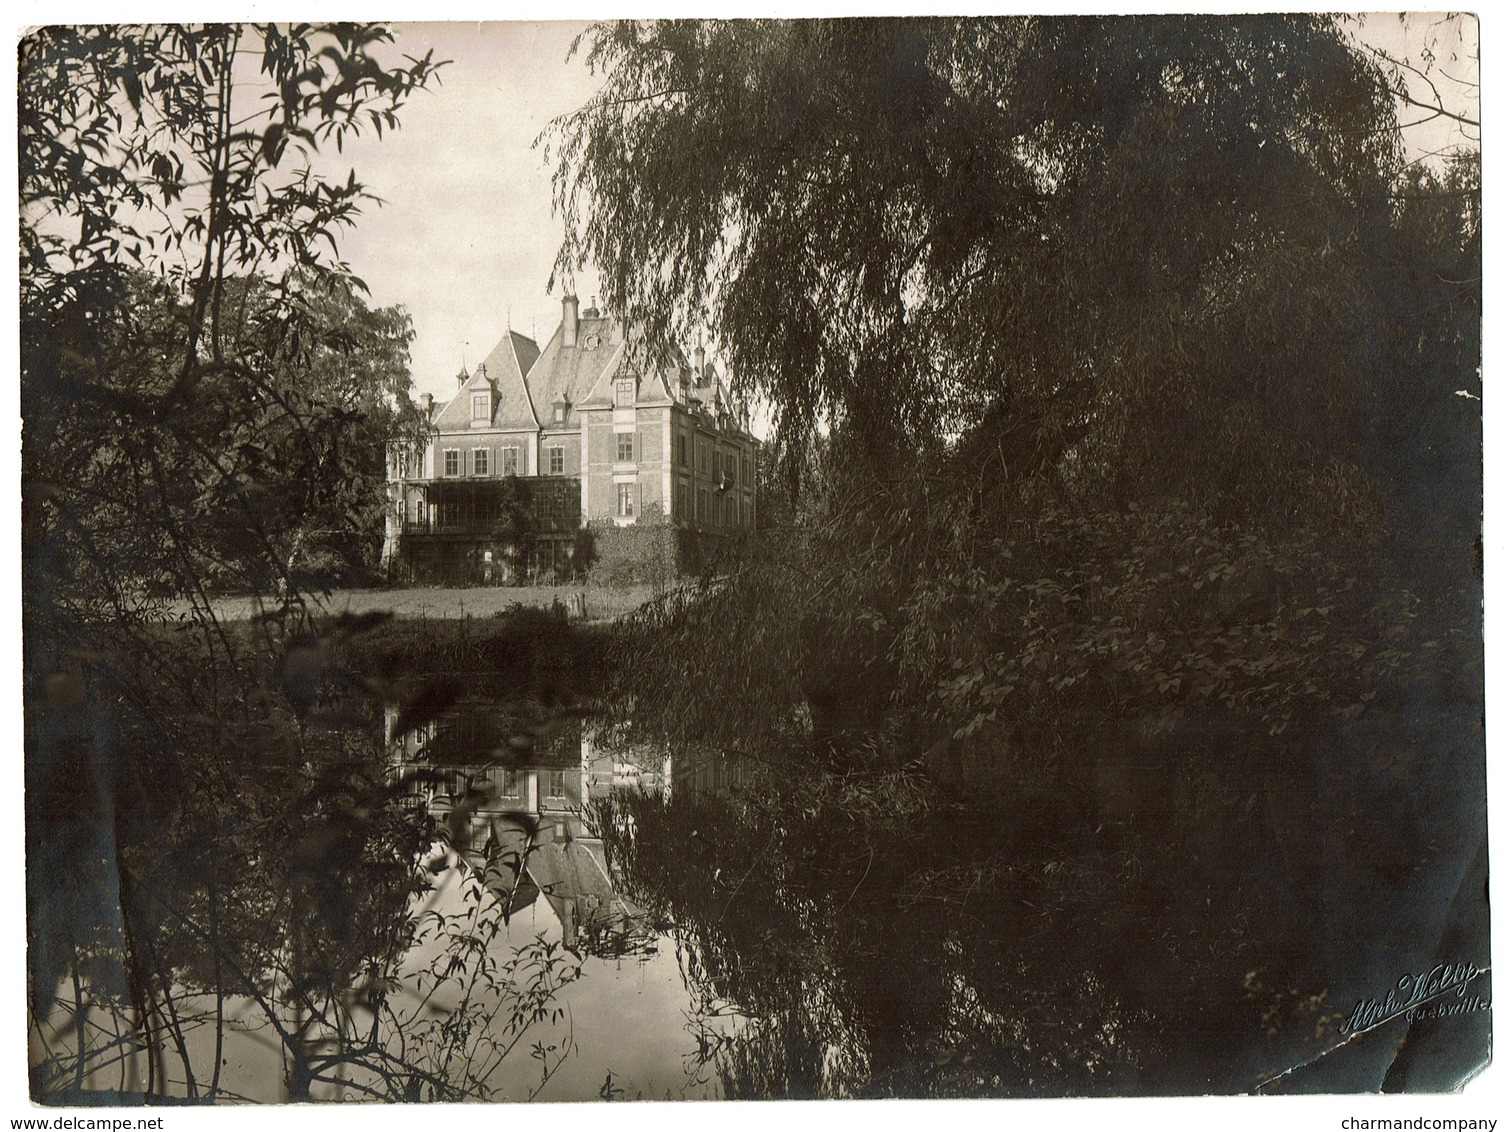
{"x":1102,"y":336}
{"x":154,"y":147}
{"x":996,"y":311}
{"x":987,"y":153}
{"x":515,"y":525}
{"x":204,"y":399}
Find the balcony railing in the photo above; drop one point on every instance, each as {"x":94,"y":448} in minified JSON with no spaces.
{"x":466,"y":526}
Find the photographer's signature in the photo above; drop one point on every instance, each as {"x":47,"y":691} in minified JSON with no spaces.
{"x":1436,"y":993}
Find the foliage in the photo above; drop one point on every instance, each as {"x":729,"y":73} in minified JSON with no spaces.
{"x":1126,"y":383}
{"x":152,"y":147}
{"x":206,"y":399}
{"x":280,"y":889}
{"x":649,"y":552}
{"x":154,"y":144}
{"x":492,"y":1003}
{"x":515,"y":525}
{"x":994,"y":158}
{"x":267,"y":480}
{"x":1146,"y":449}
{"x":1044,"y":354}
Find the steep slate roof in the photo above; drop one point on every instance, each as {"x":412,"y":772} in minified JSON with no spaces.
{"x":509,"y":846}
{"x":501,"y":374}
{"x":654,"y":387}
{"x":520,"y":862}
{"x":510,"y":360}
{"x":525,"y":380}
{"x":573,"y":371}
{"x":456,"y":416}
{"x":712,"y":387}
{"x":568,"y":870}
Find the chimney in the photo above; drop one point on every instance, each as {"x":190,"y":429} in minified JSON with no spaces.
{"x":700,"y":360}
{"x":569,"y":320}
{"x":427,"y":404}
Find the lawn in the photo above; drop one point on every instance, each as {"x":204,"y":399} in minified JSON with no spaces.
{"x":602,"y":602}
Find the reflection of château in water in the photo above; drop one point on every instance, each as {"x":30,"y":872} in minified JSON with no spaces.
{"x":489,"y":757}
{"x":517,"y":793}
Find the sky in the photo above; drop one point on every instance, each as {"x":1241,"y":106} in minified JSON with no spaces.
{"x":466,"y":239}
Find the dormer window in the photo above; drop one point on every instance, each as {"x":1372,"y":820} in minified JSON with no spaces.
{"x":561,"y":405}
{"x":624,"y":395}
{"x":481,"y":406}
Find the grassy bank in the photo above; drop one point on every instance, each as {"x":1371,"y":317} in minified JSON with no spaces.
{"x":531,"y":645}
{"x":603,"y":603}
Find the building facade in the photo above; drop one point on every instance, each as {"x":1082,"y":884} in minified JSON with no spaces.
{"x":570,"y":434}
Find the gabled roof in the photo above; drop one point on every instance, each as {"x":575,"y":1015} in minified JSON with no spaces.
{"x":526,"y":381}
{"x":654,"y":387}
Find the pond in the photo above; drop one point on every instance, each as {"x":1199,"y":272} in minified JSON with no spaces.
{"x":527,"y":974}
{"x":494,"y":900}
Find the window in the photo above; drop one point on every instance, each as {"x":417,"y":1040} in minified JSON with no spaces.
{"x":479,"y":461}
{"x":557,"y":784}
{"x":683,"y":500}
{"x":745,"y":478}
{"x":626,"y":500}
{"x":625,"y":447}
{"x":481,"y":406}
{"x":701,"y":505}
{"x":452,"y":462}
{"x":450,"y":514}
{"x":701,"y":457}
{"x":557,"y":461}
{"x":510,"y":461}
{"x":624,"y":395}
{"x":684,"y":460}
{"x":510,"y":782}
